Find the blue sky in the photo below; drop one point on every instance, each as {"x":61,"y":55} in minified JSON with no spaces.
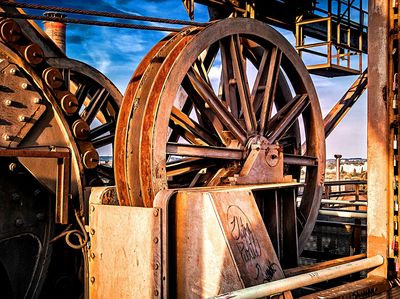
{"x":116,"y":52}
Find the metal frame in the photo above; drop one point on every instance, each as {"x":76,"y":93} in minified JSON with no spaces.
{"x":63,"y":175}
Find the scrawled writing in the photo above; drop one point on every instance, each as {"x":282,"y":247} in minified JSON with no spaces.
{"x":266,"y":272}
{"x":242,"y":233}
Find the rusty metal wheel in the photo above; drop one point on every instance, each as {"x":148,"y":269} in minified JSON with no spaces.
{"x":99,"y":102}
{"x":186,"y":130}
{"x":47,"y":104}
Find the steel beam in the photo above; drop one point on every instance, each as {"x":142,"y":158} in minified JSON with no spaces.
{"x":295,"y":282}
{"x":380,"y":172}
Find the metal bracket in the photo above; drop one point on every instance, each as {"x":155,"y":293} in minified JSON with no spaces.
{"x":63,"y":175}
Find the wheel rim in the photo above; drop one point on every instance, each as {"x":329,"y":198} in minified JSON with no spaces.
{"x":221,"y":127}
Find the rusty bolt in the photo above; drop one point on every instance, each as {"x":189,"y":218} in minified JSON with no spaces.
{"x":8,"y":102}
{"x":13,"y":71}
{"x":6,"y":137}
{"x":155,"y":212}
{"x":37,"y":101}
{"x":90,"y":159}
{"x":81,"y":129}
{"x":23,"y":118}
{"x":53,"y":77}
{"x":92,"y":279}
{"x":68,"y":101}
{"x":19,"y":222}
{"x":92,"y":255}
{"x":24,"y":85}
{"x":155,"y":240}
{"x":155,"y":292}
{"x":10,"y":31}
{"x":12,"y":166}
{"x":34,"y":54}
{"x":156,"y":266}
{"x":92,"y":232}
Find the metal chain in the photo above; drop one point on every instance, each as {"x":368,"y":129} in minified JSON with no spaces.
{"x":87,"y":22}
{"x":100,"y":13}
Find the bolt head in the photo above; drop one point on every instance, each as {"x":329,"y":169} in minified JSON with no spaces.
{"x":13,"y":71}
{"x":22,"y":118}
{"x":92,"y":279}
{"x":37,"y":101}
{"x":19,"y":222}
{"x":7,"y":102}
{"x":12,"y":166}
{"x":40,"y":216}
{"x":24,"y":85}
{"x":6,"y":137}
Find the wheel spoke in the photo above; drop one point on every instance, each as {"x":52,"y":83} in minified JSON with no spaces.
{"x":229,"y":92}
{"x":259,"y":83}
{"x":102,"y":141}
{"x":186,"y":123}
{"x":187,"y":165}
{"x":283,"y":120}
{"x":96,"y":103}
{"x":102,"y":129}
{"x":270,"y":88}
{"x":188,"y":150}
{"x":81,"y":93}
{"x":239,"y":69}
{"x":207,"y":94}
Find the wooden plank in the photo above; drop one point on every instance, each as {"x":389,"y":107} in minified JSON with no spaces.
{"x":125,"y":253}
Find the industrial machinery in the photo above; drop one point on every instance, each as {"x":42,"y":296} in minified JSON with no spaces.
{"x":215,"y":183}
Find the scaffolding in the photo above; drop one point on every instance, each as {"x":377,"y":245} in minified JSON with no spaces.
{"x":343,"y":22}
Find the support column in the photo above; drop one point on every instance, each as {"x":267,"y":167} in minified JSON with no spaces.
{"x":380,"y":157}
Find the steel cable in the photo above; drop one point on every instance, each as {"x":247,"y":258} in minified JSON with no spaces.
{"x":88,"y":22}
{"x":100,"y":13}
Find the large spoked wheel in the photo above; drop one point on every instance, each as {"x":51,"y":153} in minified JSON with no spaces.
{"x":202,"y":101}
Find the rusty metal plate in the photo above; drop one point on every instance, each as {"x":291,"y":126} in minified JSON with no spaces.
{"x":125,"y":252}
{"x":21,"y":105}
{"x":221,"y":243}
{"x":247,"y":236}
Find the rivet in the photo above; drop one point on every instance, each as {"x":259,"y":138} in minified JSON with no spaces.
{"x":40,"y":216}
{"x":19,"y":222}
{"x":92,"y":231}
{"x":13,"y":71}
{"x":24,"y":85}
{"x":22,"y":118}
{"x":12,"y":166}
{"x":155,"y":212}
{"x":156,"y":266}
{"x":92,"y":208}
{"x":7,"y":102}
{"x":6,"y":137}
{"x":92,"y":279}
{"x":155,"y":240}
{"x":37,"y":101}
{"x":155,"y":292}
{"x":92,"y":255}
{"x":15,"y":197}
